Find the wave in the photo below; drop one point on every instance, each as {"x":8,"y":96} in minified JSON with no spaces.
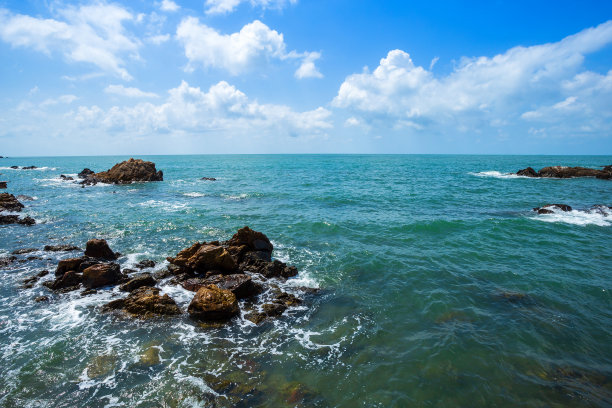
{"x":194,"y":194}
{"x":599,"y":215}
{"x":498,"y":174}
{"x":163,"y":204}
{"x":36,"y":169}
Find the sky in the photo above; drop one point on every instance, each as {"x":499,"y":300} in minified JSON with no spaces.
{"x":303,"y":76}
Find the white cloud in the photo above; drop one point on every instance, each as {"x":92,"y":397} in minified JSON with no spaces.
{"x":227,"y":6}
{"x":92,"y":34}
{"x":240,"y":51}
{"x":168,"y":5}
{"x":222,"y":108}
{"x":129,"y":92}
{"x":516,"y":85}
{"x":352,"y":121}
{"x":158,"y":39}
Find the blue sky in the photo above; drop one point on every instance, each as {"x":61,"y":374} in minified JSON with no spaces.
{"x":298,"y":76}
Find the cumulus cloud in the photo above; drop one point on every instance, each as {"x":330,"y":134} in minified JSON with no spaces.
{"x":189,"y":109}
{"x":92,"y":34}
{"x":237,"y":52}
{"x":535,"y":83}
{"x":168,"y":5}
{"x":129,"y":92}
{"x":227,"y":6}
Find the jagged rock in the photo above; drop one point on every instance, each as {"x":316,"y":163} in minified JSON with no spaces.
{"x":136,"y":282}
{"x":33,"y":279}
{"x":568,"y":172}
{"x":66,"y":178}
{"x":274,"y":269}
{"x":23,"y":251}
{"x":61,"y":248}
{"x":147,"y":263}
{"x":212,"y":303}
{"x":41,"y":299}
{"x":101,"y":275}
{"x":85,"y":172}
{"x":8,"y":202}
{"x":548,"y":208}
{"x":241,"y":285}
{"x":98,"y":248}
{"x":130,"y":171}
{"x":70,"y":264}
{"x":69,"y":281}
{"x":204,"y":257}
{"x":3,"y":184}
{"x":287,"y":299}
{"x":268,"y":310}
{"x":254,"y":240}
{"x":15,"y":219}
{"x":145,"y":302}
{"x":7,"y":260}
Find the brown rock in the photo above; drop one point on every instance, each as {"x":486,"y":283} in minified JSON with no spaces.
{"x":205,"y":257}
{"x":61,"y":248}
{"x":23,"y":251}
{"x":98,"y":248}
{"x":8,"y":202}
{"x":41,"y":299}
{"x":70,"y":264}
{"x":101,"y":275}
{"x":568,"y":172}
{"x":241,"y":285}
{"x":275,"y":269}
{"x":254,"y":240}
{"x":70,"y":280}
{"x":3,"y":184}
{"x":136,"y":282}
{"x":212,"y":303}
{"x":130,"y":171}
{"x":146,"y":263}
{"x":528,"y":172}
{"x":548,"y":208}
{"x":146,"y":302}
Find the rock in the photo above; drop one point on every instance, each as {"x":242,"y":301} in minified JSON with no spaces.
{"x":85,"y":173}
{"x":29,"y":282}
{"x":147,"y":263}
{"x":287,"y":299}
{"x":130,"y":171}
{"x":63,"y":177}
{"x":568,"y":172}
{"x":23,"y":251}
{"x":101,"y":366}
{"x":14,"y":167}
{"x":41,"y":299}
{"x":88,"y":292}
{"x":15,"y":219}
{"x":136,"y":282}
{"x":528,"y":172}
{"x":69,"y":281}
{"x":98,"y":248}
{"x":212,"y":303}
{"x":208,"y":179}
{"x":29,"y":168}
{"x":268,"y":310}
{"x":548,"y":208}
{"x":205,"y":257}
{"x":241,"y":285}
{"x":254,"y":240}
{"x":274,"y":269}
{"x":145,"y":302}
{"x":8,"y":202}
{"x":7,"y":260}
{"x":3,"y":184}
{"x":24,"y":198}
{"x":70,"y":264}
{"x":150,"y":356}
{"x":61,"y":248}
{"x":101,"y":275}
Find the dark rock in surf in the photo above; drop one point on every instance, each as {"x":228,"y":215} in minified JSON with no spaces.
{"x":208,"y":179}
{"x":85,"y":173}
{"x":41,"y":299}
{"x":15,"y":219}
{"x":14,"y":167}
{"x":549,"y":208}
{"x":568,"y":172}
{"x":98,"y":248}
{"x":66,"y":178}
{"x":69,"y":281}
{"x":61,"y":248}
{"x":147,"y":263}
{"x":138,"y":281}
{"x":3,"y":184}
{"x":241,"y":285}
{"x":29,"y":168}
{"x":24,"y":251}
{"x":8,"y":202}
{"x":528,"y":172}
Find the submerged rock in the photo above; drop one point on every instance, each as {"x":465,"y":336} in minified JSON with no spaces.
{"x":212,"y":303}
{"x":145,"y":302}
{"x":24,"y":198}
{"x":8,"y":202}
{"x":98,"y":248}
{"x":129,"y":171}
{"x":66,"y":178}
{"x":567,"y":172}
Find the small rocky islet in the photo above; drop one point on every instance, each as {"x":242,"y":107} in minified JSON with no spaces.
{"x":567,"y":172}
{"x":219,"y":273}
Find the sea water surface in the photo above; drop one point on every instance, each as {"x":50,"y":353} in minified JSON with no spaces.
{"x":438,"y":285}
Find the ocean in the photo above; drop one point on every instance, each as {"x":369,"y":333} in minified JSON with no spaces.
{"x":438,"y":286}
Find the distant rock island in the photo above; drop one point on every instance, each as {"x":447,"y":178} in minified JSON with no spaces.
{"x":126,"y":172}
{"x":567,"y":172}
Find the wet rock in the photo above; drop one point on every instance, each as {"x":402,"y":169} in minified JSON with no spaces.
{"x":69,"y":281}
{"x":85,"y":173}
{"x":88,"y":292}
{"x":15,"y":219}
{"x":145,"y":302}
{"x":274,"y":269}
{"x":101,"y":275}
{"x":136,"y":282}
{"x":254,"y":240}
{"x":14,"y":167}
{"x":67,"y":178}
{"x":204,"y":257}
{"x":212,"y":303}
{"x":24,"y":251}
{"x":241,"y":285}
{"x":147,"y":263}
{"x":287,"y":299}
{"x":29,"y":168}
{"x":8,"y":202}
{"x":208,"y":179}
{"x":3,"y":184}
{"x":39,"y":299}
{"x":296,"y":394}
{"x":548,"y":208}
{"x":33,"y":279}
{"x":61,"y":248}
{"x":130,"y":171}
{"x":163,"y":274}
{"x":101,"y":366}
{"x":568,"y":172}
{"x":70,"y":264}
{"x":269,"y":310}
{"x":7,"y":260}
{"x":150,"y":356}
{"x":98,"y":248}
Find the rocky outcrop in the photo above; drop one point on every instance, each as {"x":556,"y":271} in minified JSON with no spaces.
{"x":100,"y":275}
{"x":240,"y":284}
{"x":85,"y":173}
{"x":253,"y":240}
{"x":548,"y":208}
{"x":8,"y":202}
{"x":145,"y":302}
{"x":212,"y":303}
{"x":69,"y":281}
{"x":129,"y":171}
{"x":98,"y":248}
{"x":135,"y":282}
{"x":15,"y":219}
{"x":61,"y":248}
{"x":568,"y":172}
{"x":203,"y":257}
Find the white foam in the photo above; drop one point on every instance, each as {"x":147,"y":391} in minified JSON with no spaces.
{"x":163,"y":204}
{"x":600,"y":216}
{"x":238,"y":197}
{"x":38,"y":168}
{"x":194,"y":194}
{"x":497,"y":174}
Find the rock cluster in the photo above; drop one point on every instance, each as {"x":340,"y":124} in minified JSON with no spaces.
{"x":567,"y":172}
{"x":548,"y":208}
{"x":8,"y":202}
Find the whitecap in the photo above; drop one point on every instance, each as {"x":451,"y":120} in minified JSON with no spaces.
{"x":497,"y":174}
{"x":194,"y":194}
{"x":597,"y":215}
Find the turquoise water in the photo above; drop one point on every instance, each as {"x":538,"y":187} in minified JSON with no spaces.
{"x":420,"y":261}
